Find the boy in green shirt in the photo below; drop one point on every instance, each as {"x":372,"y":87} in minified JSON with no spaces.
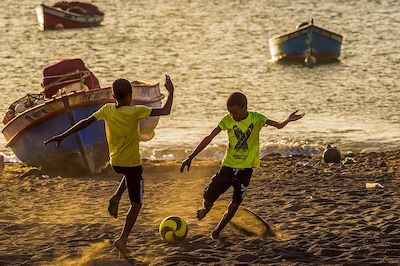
{"x":122,"y":132}
{"x":242,"y":155}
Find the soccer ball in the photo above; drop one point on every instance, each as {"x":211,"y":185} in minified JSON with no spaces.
{"x":173,"y":229}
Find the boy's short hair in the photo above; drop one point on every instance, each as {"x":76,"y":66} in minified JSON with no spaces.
{"x":121,"y":88}
{"x":237,"y":99}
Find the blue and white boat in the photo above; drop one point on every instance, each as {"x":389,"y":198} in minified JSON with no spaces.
{"x":307,"y":43}
{"x":34,"y":118}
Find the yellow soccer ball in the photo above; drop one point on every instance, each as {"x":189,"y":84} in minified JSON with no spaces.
{"x":173,"y":229}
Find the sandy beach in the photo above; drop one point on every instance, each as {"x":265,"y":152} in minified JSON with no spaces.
{"x":324,"y":212}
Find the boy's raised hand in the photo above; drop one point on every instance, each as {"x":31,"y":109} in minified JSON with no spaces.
{"x":168,"y":84}
{"x":187,"y":163}
{"x":57,"y":139}
{"x":294,"y":116}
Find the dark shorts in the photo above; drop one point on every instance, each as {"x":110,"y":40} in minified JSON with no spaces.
{"x":239,"y":179}
{"x":133,"y":181}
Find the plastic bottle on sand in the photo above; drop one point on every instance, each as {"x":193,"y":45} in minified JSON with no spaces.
{"x":373,"y":185}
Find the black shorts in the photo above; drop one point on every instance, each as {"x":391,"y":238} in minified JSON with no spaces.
{"x":133,"y":181}
{"x":239,"y":179}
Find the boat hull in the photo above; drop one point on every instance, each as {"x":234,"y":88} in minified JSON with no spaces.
{"x":83,"y":152}
{"x":323,"y":45}
{"x":54,"y":18}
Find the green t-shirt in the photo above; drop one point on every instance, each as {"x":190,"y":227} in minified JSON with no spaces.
{"x":122,"y":131}
{"x":243,"y":150}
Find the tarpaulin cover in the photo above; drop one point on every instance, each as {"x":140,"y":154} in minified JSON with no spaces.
{"x":64,"y":67}
{"x":79,"y":7}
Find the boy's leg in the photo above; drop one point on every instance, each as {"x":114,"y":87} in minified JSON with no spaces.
{"x":202,"y":212}
{"x":240,"y":182}
{"x":134,"y":184}
{"x":220,"y":183}
{"x":131,"y":217}
{"x":116,"y":197}
{"x":228,"y":215}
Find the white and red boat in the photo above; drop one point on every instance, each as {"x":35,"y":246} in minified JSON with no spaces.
{"x":66,"y":14}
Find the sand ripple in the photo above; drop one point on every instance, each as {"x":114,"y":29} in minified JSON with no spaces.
{"x":324,"y":214}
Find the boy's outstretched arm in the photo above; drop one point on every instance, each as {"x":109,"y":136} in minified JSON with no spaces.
{"x":292,"y":117}
{"x":75,"y":128}
{"x":166,"y":109}
{"x":199,"y":148}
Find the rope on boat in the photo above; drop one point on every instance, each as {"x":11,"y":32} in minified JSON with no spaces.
{"x":61,"y":78}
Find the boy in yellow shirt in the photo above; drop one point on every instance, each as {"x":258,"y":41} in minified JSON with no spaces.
{"x":122,"y":131}
{"x":242,"y":155}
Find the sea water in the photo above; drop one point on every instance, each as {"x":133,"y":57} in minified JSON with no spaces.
{"x":213,"y":48}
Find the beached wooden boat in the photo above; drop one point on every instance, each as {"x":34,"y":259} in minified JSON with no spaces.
{"x":68,"y":15}
{"x":45,"y":117}
{"x":307,"y":43}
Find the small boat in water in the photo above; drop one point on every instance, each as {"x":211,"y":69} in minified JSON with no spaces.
{"x":71,"y":92}
{"x":307,"y":43}
{"x":64,"y":14}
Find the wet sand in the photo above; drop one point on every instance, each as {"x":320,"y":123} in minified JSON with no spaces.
{"x":325,"y":212}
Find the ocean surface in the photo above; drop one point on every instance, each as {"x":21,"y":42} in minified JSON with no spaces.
{"x":213,"y":48}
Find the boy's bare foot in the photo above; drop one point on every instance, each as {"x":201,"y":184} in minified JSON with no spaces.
{"x":201,"y":213}
{"x":113,"y":206}
{"x":214,"y":235}
{"x":121,"y":247}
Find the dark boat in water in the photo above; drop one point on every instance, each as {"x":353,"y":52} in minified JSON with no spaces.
{"x":63,"y":15}
{"x":307,"y":43}
{"x":71,"y":92}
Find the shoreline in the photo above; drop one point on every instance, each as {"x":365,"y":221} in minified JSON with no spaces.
{"x":326,"y":212}
{"x":216,"y":152}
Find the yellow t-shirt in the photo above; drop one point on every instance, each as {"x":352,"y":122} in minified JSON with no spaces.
{"x":244,"y":142}
{"x":122,"y":131}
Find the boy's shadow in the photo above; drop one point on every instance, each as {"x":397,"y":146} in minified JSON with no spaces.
{"x":106,"y":174}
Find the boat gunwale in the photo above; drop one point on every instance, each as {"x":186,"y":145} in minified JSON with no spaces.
{"x":54,"y":113}
{"x":59,"y":10}
{"x":301,"y":31}
{"x":47,"y":116}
